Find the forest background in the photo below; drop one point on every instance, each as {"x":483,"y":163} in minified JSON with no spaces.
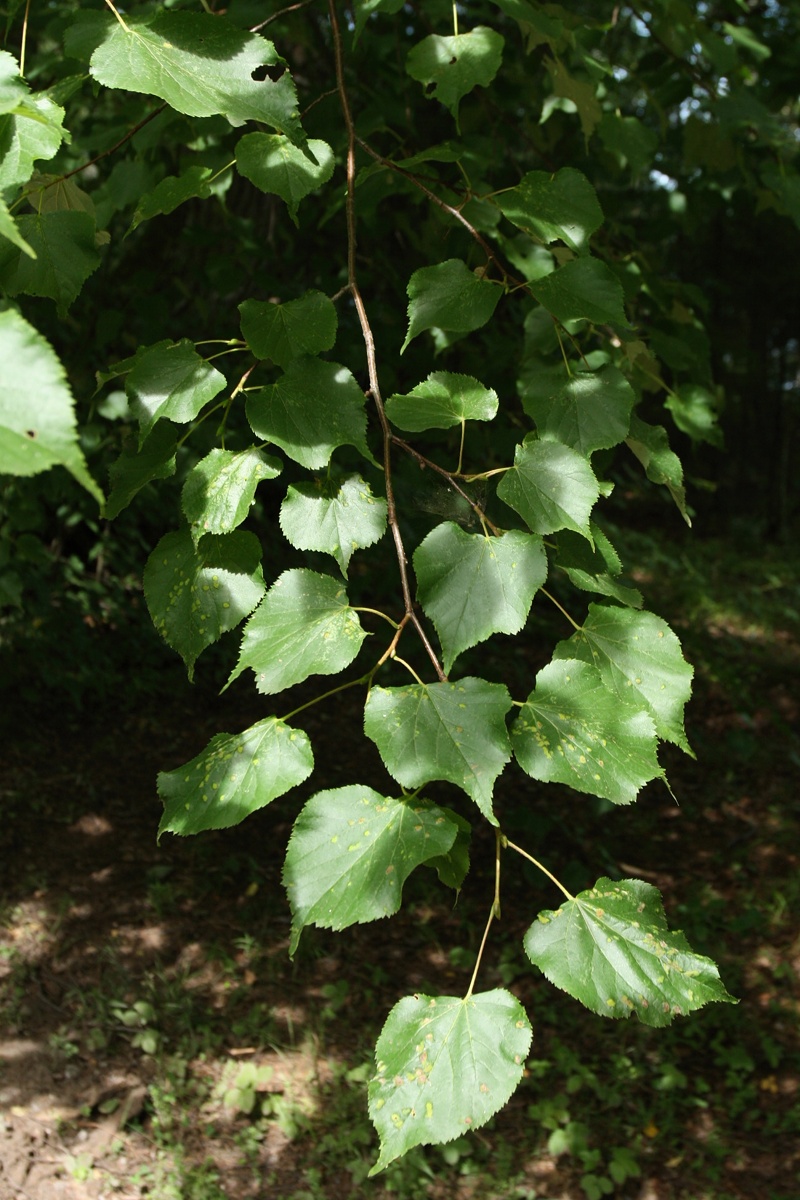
{"x":161,"y":1043}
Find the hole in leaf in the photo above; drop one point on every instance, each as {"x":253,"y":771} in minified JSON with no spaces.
{"x":31,"y":433}
{"x":274,"y":72}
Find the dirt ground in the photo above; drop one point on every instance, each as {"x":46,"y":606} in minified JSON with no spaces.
{"x":137,"y":979}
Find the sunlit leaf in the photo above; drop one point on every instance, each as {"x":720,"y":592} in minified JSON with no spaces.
{"x":200,"y":64}
{"x":551,"y":487}
{"x":452,"y":731}
{"x":694,"y":411}
{"x":219,"y":491}
{"x":9,"y":230}
{"x":588,"y":410}
{"x":442,"y":401}
{"x":351,"y":851}
{"x":474,"y":585}
{"x":195,"y":593}
{"x":638,"y":657}
{"x":38,"y":429}
{"x":450,"y":297}
{"x":651,"y":446}
{"x":445,"y":1065}
{"x":235,"y":775}
{"x":573,"y":730}
{"x":275,"y":165}
{"x":64,"y":256}
{"x":582,"y":289}
{"x":313,"y":408}
{"x":610,"y":948}
{"x":336,"y":516}
{"x":170,"y":381}
{"x":550,"y":207}
{"x":452,"y":66}
{"x":304,"y":626}
{"x":31,"y":126}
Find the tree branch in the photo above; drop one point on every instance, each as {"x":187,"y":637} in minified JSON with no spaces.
{"x":369,"y":343}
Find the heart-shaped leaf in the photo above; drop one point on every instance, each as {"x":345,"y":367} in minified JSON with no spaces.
{"x":445,"y":1065}
{"x":610,"y":948}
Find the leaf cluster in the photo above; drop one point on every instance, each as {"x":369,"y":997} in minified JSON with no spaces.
{"x":423,"y":256}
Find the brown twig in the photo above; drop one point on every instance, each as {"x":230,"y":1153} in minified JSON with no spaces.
{"x":281,"y":13}
{"x":454,"y":212}
{"x":451,"y":480}
{"x":105,"y":153}
{"x":369,"y":344}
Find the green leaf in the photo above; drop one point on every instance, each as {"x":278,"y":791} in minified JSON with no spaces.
{"x":588,"y":410}
{"x":46,"y":193}
{"x":443,"y":400}
{"x":610,"y":948}
{"x":538,"y":27}
{"x":550,"y":207}
{"x":442,"y":152}
{"x":747,"y":40}
{"x":9,"y":230}
{"x":551,"y":487}
{"x":65,"y":256}
{"x":313,"y":408}
{"x":219,"y":491}
{"x":170,"y":193}
{"x":573,"y":730}
{"x":445,"y":1065}
{"x":351,"y":851}
{"x":650,"y":444}
{"x":452,"y":731}
{"x":364,"y":9}
{"x":452,"y":867}
{"x":125,"y":365}
{"x":274,"y":165}
{"x":336,"y":516}
{"x":450,"y":297}
{"x":304,"y":626}
{"x":38,"y":429}
{"x":235,"y":775}
{"x":199,"y":64}
{"x":632,"y":142}
{"x":137,"y":466}
{"x":639,"y":659}
{"x":31,"y":129}
{"x":170,"y":381}
{"x":473,"y":585}
{"x":694,"y":411}
{"x":582,"y":289}
{"x":593,"y":569}
{"x":281,"y":332}
{"x":195,"y":594}
{"x":583,"y":96}
{"x":13,"y":89}
{"x":450,"y":67}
